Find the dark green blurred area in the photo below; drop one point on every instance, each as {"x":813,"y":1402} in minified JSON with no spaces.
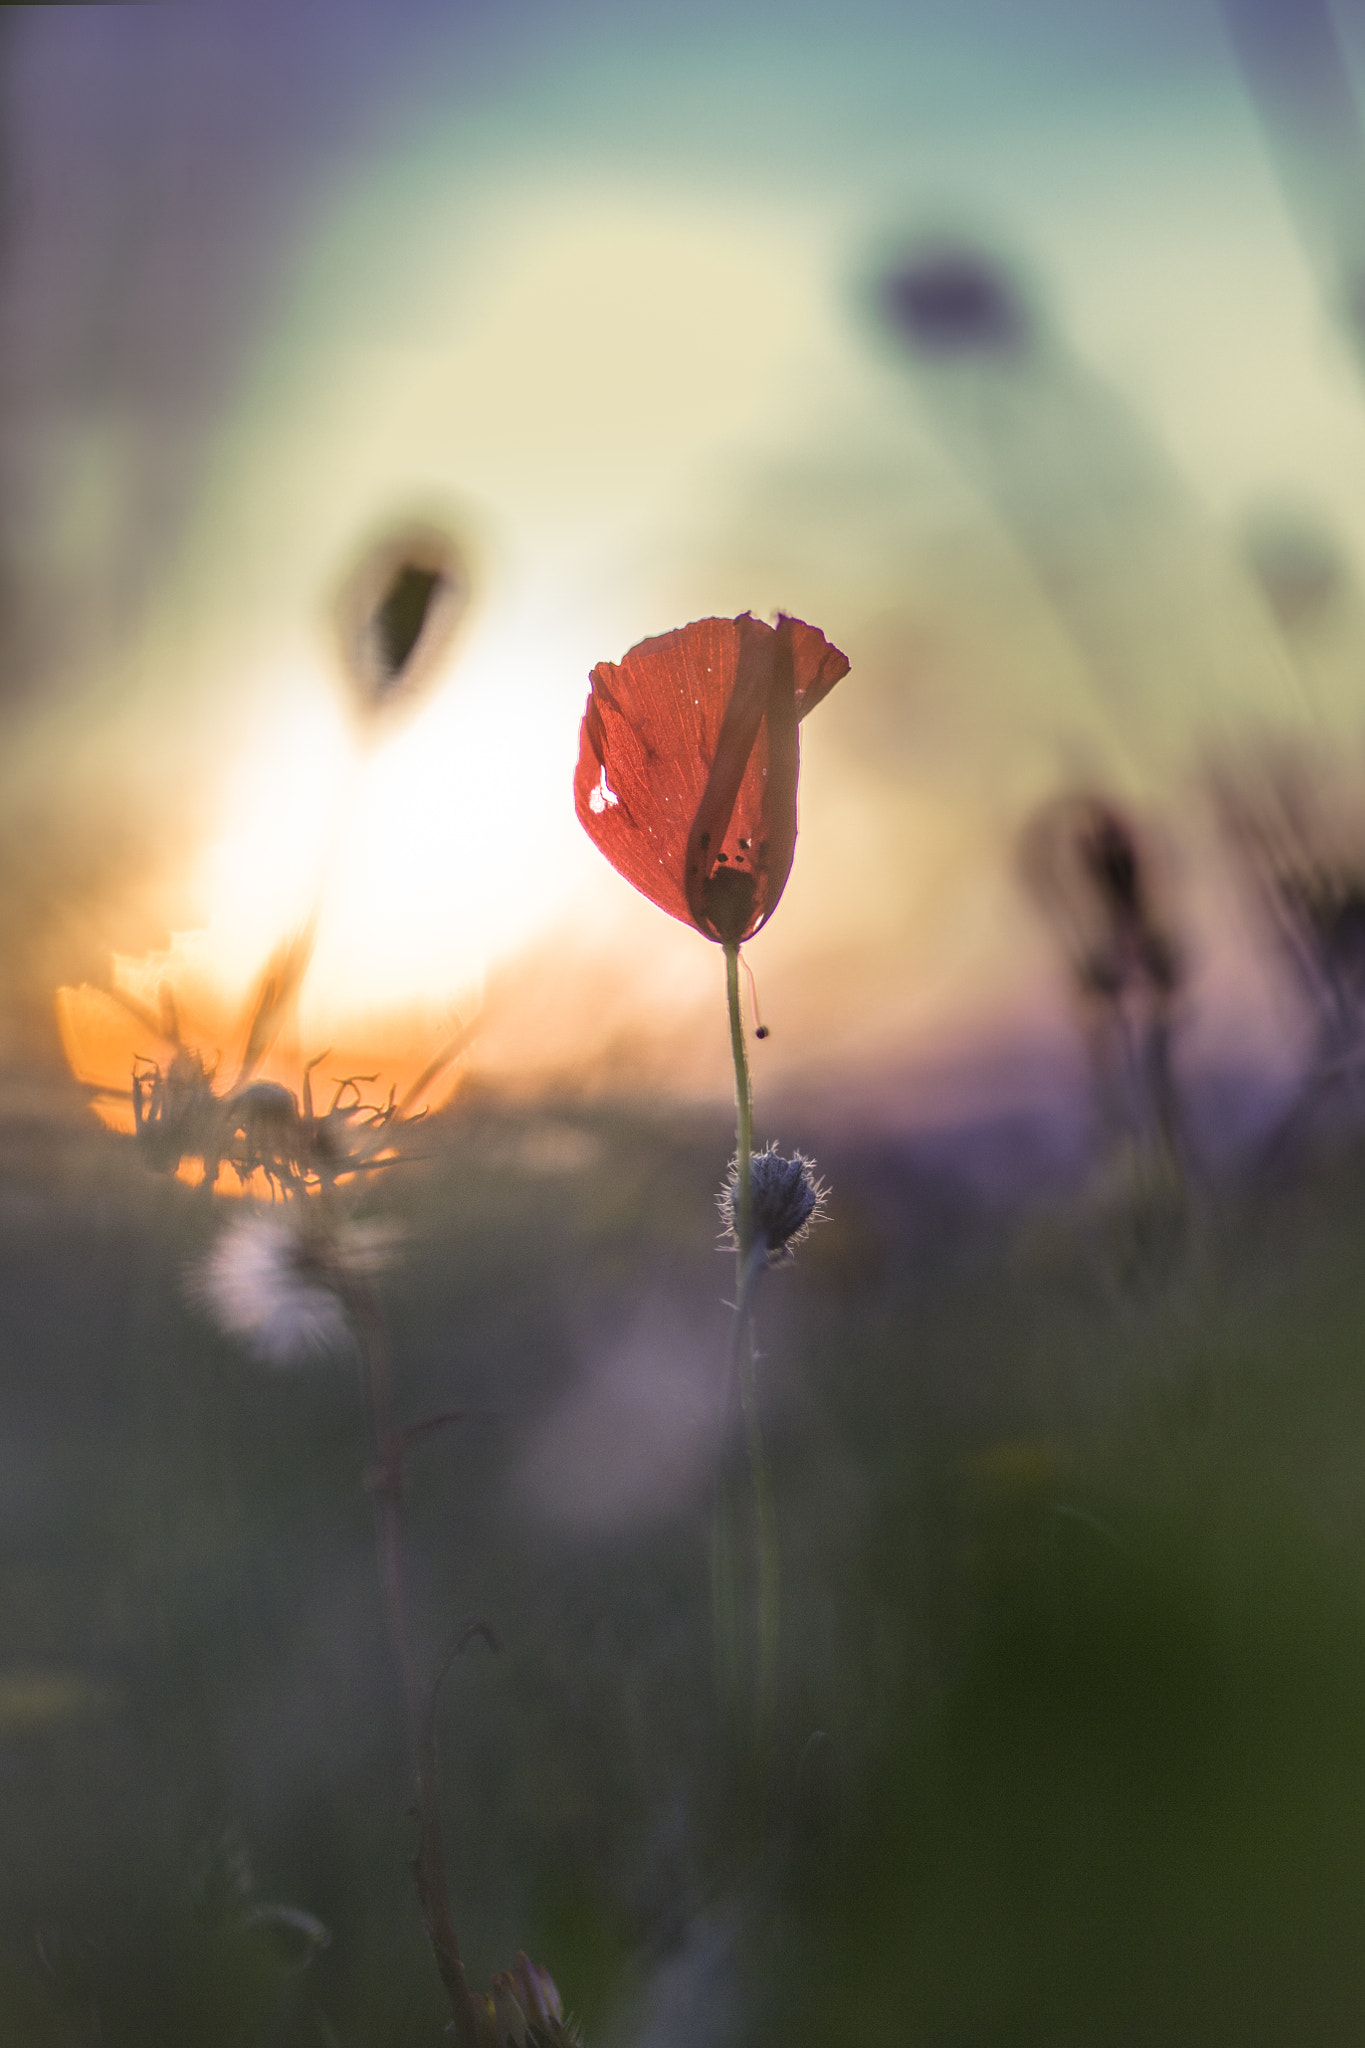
{"x":1073,"y":1538}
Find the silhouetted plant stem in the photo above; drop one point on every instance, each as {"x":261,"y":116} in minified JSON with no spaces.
{"x":744,"y":1113}
{"x":386,"y":1485}
{"x":726,"y":1578}
{"x":750,"y":1259}
{"x":765,"y":1528}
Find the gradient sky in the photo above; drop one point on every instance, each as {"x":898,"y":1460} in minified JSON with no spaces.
{"x":594,"y":284}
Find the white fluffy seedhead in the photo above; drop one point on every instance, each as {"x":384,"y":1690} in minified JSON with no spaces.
{"x":275,"y":1282}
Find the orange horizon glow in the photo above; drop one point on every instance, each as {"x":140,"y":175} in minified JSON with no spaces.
{"x":109,"y":1033}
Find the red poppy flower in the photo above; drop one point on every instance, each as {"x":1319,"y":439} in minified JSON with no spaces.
{"x":688,"y":762}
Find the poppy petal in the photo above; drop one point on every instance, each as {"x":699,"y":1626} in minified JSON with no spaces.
{"x":818,"y":666}
{"x":648,"y":740}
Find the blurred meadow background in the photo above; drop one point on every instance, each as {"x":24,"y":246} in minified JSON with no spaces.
{"x":1021,"y":348}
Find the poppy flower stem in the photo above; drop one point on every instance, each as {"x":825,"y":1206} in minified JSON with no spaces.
{"x":729,"y":1576}
{"x":765,"y":1520}
{"x":737,"y":1403}
{"x":750,"y":1260}
{"x":744,"y":1115}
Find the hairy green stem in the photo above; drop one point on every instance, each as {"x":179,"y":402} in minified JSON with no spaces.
{"x":744,"y":1115}
{"x":765,"y":1530}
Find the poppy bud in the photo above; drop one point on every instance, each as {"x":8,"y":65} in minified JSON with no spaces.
{"x":786,"y":1199}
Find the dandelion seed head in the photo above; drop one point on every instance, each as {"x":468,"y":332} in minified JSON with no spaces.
{"x":273,"y":1282}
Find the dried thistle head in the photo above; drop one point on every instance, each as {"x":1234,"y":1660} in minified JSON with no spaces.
{"x":276,"y":1280}
{"x":786,"y":1197}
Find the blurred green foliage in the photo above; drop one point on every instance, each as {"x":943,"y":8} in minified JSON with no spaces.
{"x":1071,"y":1742}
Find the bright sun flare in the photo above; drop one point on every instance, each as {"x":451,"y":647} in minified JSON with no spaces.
{"x":418,"y":860}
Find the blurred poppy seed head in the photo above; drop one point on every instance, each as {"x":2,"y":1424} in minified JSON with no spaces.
{"x":786,"y":1197}
{"x":397,"y":614}
{"x":955,"y":302}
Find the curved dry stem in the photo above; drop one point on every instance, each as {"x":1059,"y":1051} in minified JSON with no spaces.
{"x":428,"y":1865}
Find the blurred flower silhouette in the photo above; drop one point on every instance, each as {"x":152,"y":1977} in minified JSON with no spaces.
{"x":952,"y":302}
{"x":397,"y":613}
{"x":688,"y":762}
{"x":1093,"y":874}
{"x":1293,"y":826}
